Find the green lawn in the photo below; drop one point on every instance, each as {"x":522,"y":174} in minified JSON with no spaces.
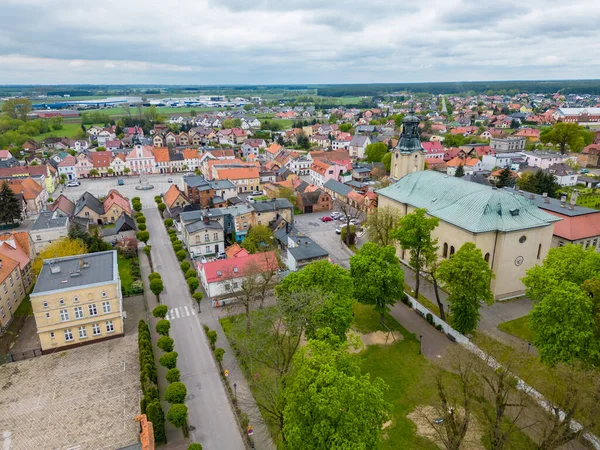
{"x":518,"y":328}
{"x":24,"y":308}
{"x":69,"y":130}
{"x":433,"y":307}
{"x":125,"y":272}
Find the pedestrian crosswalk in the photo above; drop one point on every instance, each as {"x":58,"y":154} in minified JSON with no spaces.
{"x":180,"y":312}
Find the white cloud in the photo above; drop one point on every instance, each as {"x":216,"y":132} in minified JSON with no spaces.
{"x":296,"y":41}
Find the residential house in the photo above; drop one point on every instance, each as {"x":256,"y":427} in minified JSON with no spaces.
{"x":190,"y":159}
{"x":140,"y":159}
{"x":114,"y":206}
{"x":162,"y":160}
{"x":62,"y":205}
{"x":43,"y":174}
{"x":89,"y":208}
{"x":203,"y":237}
{"x":105,"y":135}
{"x":18,"y":246}
{"x":358,"y":146}
{"x":34,"y":195}
{"x":68,"y":168}
{"x":222,"y":279}
{"x":171,"y":140}
{"x":77,"y":300}
{"x":118,"y":164}
{"x":512,"y":160}
{"x":174,"y":198}
{"x":125,"y":227}
{"x":470,"y":165}
{"x":531,"y":134}
{"x":183,"y":139}
{"x":12,"y":293}
{"x":50,"y":226}
{"x":273,"y":151}
{"x":235,"y":220}
{"x":589,"y":156}
{"x":101,"y":162}
{"x":508,"y":144}
{"x":246,"y":178}
{"x":253,"y":147}
{"x":158,"y":141}
{"x":564,"y":174}
{"x":113,"y":146}
{"x":300,"y":165}
{"x":301,"y":251}
{"x":268,"y":211}
{"x":433,"y":150}
{"x":320,"y":140}
{"x":322,"y":170}
{"x":83,"y":166}
{"x":544,"y":160}
{"x":315,"y":201}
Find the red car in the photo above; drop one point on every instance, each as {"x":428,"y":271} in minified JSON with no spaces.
{"x":326,"y":219}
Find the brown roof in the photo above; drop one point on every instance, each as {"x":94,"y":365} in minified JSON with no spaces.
{"x":577,"y":227}
{"x":161,"y":154}
{"x":63,"y":204}
{"x":26,"y":186}
{"x":189,"y":153}
{"x":172,"y":195}
{"x":7,"y":267}
{"x":101,"y":159}
{"x":238,"y":173}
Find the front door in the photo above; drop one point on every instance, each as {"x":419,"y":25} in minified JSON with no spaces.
{"x":217,"y":249}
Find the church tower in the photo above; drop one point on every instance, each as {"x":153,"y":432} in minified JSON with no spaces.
{"x":408,"y":156}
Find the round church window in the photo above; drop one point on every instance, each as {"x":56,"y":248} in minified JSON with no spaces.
{"x":522,"y":239}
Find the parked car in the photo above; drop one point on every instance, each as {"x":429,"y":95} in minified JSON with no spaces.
{"x":584,"y":171}
{"x":120,"y":182}
{"x":73,"y":183}
{"x":169,"y":180}
{"x":335,"y":215}
{"x":326,"y":219}
{"x":354,"y":222}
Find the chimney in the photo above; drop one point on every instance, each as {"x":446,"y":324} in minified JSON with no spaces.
{"x":563,"y":200}
{"x":206,"y":219}
{"x":521,"y":192}
{"x":546,"y":198}
{"x":574,"y":196}
{"x":531,"y":196}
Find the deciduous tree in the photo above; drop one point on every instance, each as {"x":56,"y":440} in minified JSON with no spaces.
{"x":380,"y":224}
{"x":58,"y":249}
{"x":376,"y":151}
{"x":176,"y":392}
{"x":377,"y":276}
{"x":260,"y":238}
{"x":467,"y":278}
{"x":567,"y":137}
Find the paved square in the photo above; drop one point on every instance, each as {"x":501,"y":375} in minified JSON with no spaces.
{"x":85,"y":398}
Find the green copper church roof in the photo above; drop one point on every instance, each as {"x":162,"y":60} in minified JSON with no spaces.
{"x":409,"y":141}
{"x":471,"y":206}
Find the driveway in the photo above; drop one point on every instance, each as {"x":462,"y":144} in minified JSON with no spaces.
{"x":210,"y":413}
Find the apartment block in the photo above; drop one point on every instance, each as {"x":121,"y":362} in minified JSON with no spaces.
{"x":77,"y":300}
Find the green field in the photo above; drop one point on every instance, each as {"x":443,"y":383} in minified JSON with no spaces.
{"x":69,"y":130}
{"x":166,"y":111}
{"x":518,"y":328}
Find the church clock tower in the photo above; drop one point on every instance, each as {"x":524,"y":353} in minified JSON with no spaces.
{"x":408,"y":156}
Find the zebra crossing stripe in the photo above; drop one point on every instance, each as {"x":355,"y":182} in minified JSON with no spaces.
{"x":177,"y":312}
{"x":187,"y":313}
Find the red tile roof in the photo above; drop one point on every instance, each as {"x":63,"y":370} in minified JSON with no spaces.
{"x":227,"y":269}
{"x":577,"y":227}
{"x":101,"y":159}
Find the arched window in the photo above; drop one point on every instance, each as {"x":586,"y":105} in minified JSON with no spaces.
{"x":451,"y":250}
{"x":539,"y":251}
{"x":487,"y":257}
{"x":445,"y":253}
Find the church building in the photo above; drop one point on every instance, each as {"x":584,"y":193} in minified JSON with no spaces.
{"x":512,"y":233}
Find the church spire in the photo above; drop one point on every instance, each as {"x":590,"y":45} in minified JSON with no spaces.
{"x":409,"y":138}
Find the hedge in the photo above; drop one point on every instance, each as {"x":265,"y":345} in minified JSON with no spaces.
{"x":168,"y":360}
{"x":173,"y":375}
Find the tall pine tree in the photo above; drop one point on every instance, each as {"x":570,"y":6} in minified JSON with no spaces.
{"x":460,"y":171}
{"x":10,"y":207}
{"x":505,"y":178}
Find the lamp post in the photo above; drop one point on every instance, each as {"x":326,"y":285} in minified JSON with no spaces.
{"x":235,"y":391}
{"x":420,"y":343}
{"x":528,"y":346}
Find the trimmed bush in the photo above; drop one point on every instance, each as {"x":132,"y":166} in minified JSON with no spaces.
{"x":136,"y":199}
{"x":138,"y":214}
{"x":219,"y":353}
{"x":181,"y":254}
{"x":177,"y":245}
{"x":156,"y":415}
{"x":162,"y":327}
{"x":143,"y":236}
{"x":177,"y":415}
{"x":176,"y":392}
{"x":168,"y":360}
{"x":154,"y":276}
{"x":162,"y":207}
{"x":439,"y":327}
{"x":190,"y":273}
{"x":173,"y":238}
{"x":157,"y":198}
{"x":140,"y":219}
{"x":173,"y":375}
{"x":141,"y":226}
{"x":185,"y":265}
{"x":160,"y":311}
{"x":147,"y":250}
{"x":193,"y":283}
{"x":137,"y":206}
{"x":212,"y":338}
{"x":168,"y":222}
{"x":171,"y":231}
{"x":156,"y":286}
{"x":194,"y":446}
{"x":429,"y":318}
{"x":165,"y":343}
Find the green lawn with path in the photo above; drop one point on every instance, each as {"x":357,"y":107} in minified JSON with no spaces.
{"x":518,"y":328}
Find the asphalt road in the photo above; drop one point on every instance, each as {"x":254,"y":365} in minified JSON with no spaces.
{"x":209,"y":409}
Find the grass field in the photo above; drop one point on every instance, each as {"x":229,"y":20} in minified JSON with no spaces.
{"x":518,"y":328}
{"x":25,"y":308}
{"x":125,"y":272}
{"x":69,"y":130}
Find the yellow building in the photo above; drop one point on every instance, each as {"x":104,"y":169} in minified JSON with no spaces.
{"x":77,"y":300}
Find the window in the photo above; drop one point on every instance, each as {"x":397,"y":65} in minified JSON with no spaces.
{"x":207,"y":249}
{"x":9,"y":304}
{"x":561,"y":243}
{"x":47,"y":315}
{"x":10,"y":280}
{"x":451,"y":250}
{"x":82,"y":333}
{"x":215,"y":236}
{"x":5,"y":288}
{"x":64,"y":315}
{"x":75,"y":299}
{"x":15,"y":296}
{"x":206,"y":238}
{"x":235,"y":285}
{"x":92,"y":309}
{"x":38,"y":237}
{"x":539,"y":251}
{"x":445,"y":253}
{"x":45,"y":304}
{"x":487,"y":257}
{"x":2,"y":311}
{"x":109,"y":326}
{"x":68,"y":335}
{"x":96,"y":329}
{"x":595,"y":243}
{"x":587,"y":244}
{"x":17,"y":275}
{"x":52,"y":335}
{"x":104,"y":294}
{"x":78,"y":312}
{"x":105,"y":307}
{"x":62,"y":301}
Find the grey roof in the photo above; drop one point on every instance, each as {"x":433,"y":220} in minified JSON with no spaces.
{"x":358,"y":140}
{"x":272,"y":205}
{"x":222,"y":184}
{"x":101,"y":268}
{"x":89,"y":200}
{"x":49,"y":219}
{"x":311,"y":198}
{"x":470,"y":206}
{"x":355,"y":184}
{"x":195,"y":181}
{"x":301,"y":186}
{"x":306,"y":249}
{"x":477,"y":178}
{"x":337,"y":187}
{"x":237,"y":210}
{"x":124,"y":223}
{"x":553,"y":204}
{"x":202,"y":225}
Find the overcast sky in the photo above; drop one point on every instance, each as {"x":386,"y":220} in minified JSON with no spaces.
{"x":296,"y":41}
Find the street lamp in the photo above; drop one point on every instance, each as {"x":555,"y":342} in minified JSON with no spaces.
{"x":235,"y":391}
{"x":420,"y":343}
{"x":528,"y":346}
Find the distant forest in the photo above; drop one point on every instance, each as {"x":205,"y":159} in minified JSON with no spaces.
{"x":478,"y":87}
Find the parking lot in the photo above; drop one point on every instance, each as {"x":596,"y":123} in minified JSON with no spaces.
{"x":323,"y":233}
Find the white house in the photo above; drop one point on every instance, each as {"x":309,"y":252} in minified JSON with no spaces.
{"x":140,"y":159}
{"x":358,"y":145}
{"x":50,"y":226}
{"x":68,"y":168}
{"x":544,"y":160}
{"x":204,"y":237}
{"x":223,"y":278}
{"x":565,"y":176}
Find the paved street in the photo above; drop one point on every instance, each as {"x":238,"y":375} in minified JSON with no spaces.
{"x":209,"y":410}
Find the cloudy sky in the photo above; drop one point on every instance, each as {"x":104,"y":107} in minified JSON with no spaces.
{"x":296,"y":41}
